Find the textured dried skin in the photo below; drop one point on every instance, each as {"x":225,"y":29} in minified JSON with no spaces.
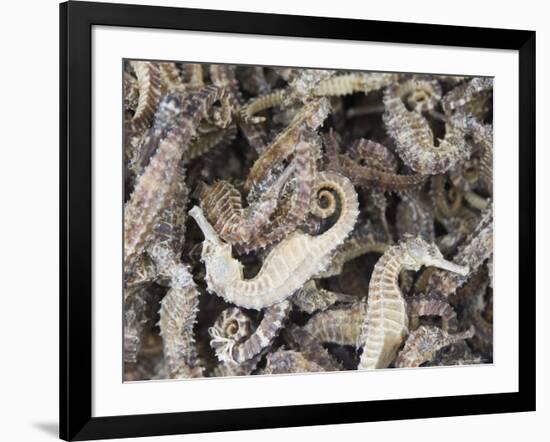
{"x":299,"y":340}
{"x":386,"y":322}
{"x":424,"y":342}
{"x":420,"y":95}
{"x":441,"y":197}
{"x":214,"y":139}
{"x":476,"y":201}
{"x":171,"y":79}
{"x":230,"y":350}
{"x":455,"y":354}
{"x":153,"y":188}
{"x":482,"y":136}
{"x":301,"y":88}
{"x":222,"y":204}
{"x":134,"y":321}
{"x":178,"y":312}
{"x":361,"y":242}
{"x":311,"y":298}
{"x":292,"y":214}
{"x":225,"y":76}
{"x":193,"y":75}
{"x":131,"y":92}
{"x":309,"y":118}
{"x":378,"y":168}
{"x":338,"y":325}
{"x":148,"y":77}
{"x":414,"y":139}
{"x":347,"y":84}
{"x":244,"y":369}
{"x":313,"y":83}
{"x":415,"y":217}
{"x":374,"y":155}
{"x":464,"y":93}
{"x":289,"y":264}
{"x":164,"y":119}
{"x":477,"y":248}
{"x":431,"y":305}
{"x":289,"y":361}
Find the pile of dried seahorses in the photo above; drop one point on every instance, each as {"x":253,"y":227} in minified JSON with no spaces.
{"x":295,"y":220}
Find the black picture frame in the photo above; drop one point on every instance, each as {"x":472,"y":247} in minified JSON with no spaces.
{"x":76,"y":21}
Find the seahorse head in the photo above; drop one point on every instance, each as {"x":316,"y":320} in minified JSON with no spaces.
{"x":419,"y":252}
{"x":221,"y":267}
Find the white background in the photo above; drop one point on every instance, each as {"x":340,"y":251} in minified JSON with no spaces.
{"x":29,"y":221}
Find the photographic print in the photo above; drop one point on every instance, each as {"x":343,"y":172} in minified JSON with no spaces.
{"x":288,"y":220}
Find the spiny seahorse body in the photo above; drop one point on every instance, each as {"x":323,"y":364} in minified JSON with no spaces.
{"x":386,"y":321}
{"x":288,"y":266}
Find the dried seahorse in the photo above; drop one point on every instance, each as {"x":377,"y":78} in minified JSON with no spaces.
{"x":289,"y":264}
{"x":455,"y":354}
{"x":171,"y":79}
{"x":314,"y":83}
{"x":153,"y":188}
{"x":233,"y":323}
{"x":230,"y":350}
{"x":464,"y":93}
{"x":476,"y":201}
{"x":221,"y":203}
{"x":213,"y":139}
{"x":225,"y":76}
{"x":424,"y":342}
{"x":292,"y":211}
{"x":431,"y":305}
{"x":420,"y":95}
{"x":299,"y":340}
{"x":148,"y":77}
{"x":414,"y":138}
{"x":339,"y":325}
{"x":193,"y":75}
{"x":289,"y":361}
{"x":386,"y":322}
{"x":134,"y":320}
{"x":131,"y":92}
{"x":178,"y":313}
{"x":376,"y":172}
{"x":311,"y":298}
{"x":349,"y":83}
{"x":164,"y":119}
{"x":477,"y":248}
{"x":309,"y":118}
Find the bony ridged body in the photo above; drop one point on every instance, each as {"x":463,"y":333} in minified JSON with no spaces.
{"x":288,"y":266}
{"x":386,"y":321}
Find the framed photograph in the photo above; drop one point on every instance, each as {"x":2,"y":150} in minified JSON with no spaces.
{"x":274,"y":220}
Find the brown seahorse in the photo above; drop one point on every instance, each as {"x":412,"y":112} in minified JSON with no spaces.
{"x":154,"y":186}
{"x":369,"y":175}
{"x":178,"y":313}
{"x":386,"y":322}
{"x":289,"y":264}
{"x":260,"y":224}
{"x":414,"y":139}
{"x":310,"y":117}
{"x":424,"y":342}
{"x":148,"y":78}
{"x":289,"y":361}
